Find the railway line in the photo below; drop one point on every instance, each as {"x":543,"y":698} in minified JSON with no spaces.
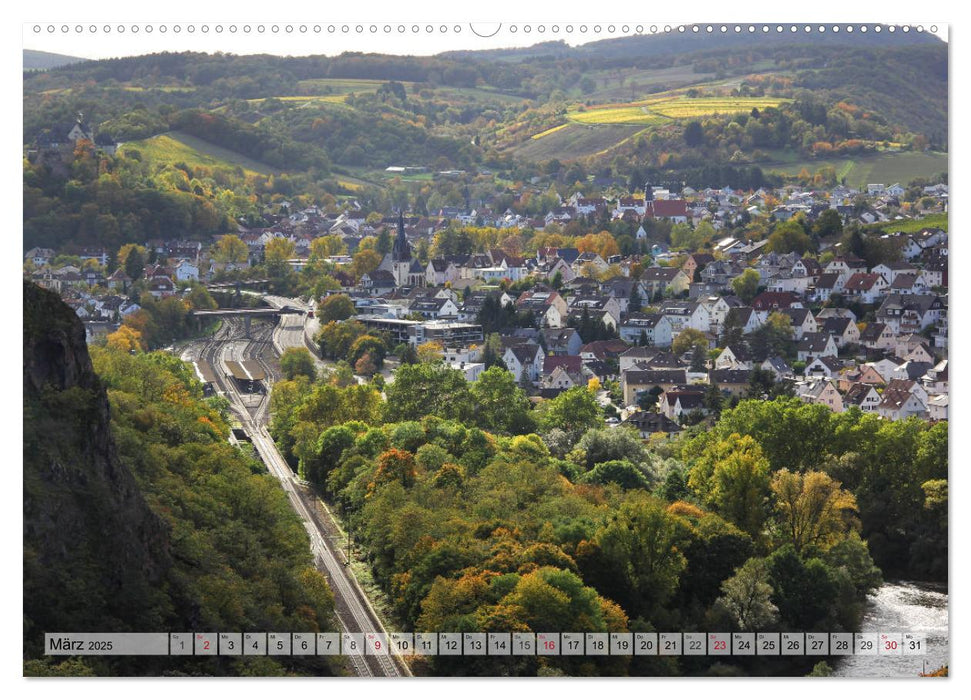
{"x":353,"y":610}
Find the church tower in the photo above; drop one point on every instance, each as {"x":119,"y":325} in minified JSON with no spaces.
{"x":401,"y":254}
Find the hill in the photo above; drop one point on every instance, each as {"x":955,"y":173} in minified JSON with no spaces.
{"x":44,"y":60}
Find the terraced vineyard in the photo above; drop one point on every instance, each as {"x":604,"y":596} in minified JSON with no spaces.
{"x":689,"y":108}
{"x":659,"y":110}
{"x":618,"y":115}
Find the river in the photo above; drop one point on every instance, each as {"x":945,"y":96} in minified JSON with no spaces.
{"x":903,"y":606}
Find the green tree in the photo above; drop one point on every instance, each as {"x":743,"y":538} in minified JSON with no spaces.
{"x":747,"y":597}
{"x":337,"y":337}
{"x":298,"y":362}
{"x":575,"y":411}
{"x":500,"y":405}
{"x":694,"y":135}
{"x":788,"y":237}
{"x":600,"y":445}
{"x":639,"y":555}
{"x":335,"y":307}
{"x":617,"y":471}
{"x":133,"y":260}
{"x":327,"y":454}
{"x":424,"y":389}
{"x":689,"y":339}
{"x":732,"y":475}
{"x":828,"y":224}
{"x":746,"y":285}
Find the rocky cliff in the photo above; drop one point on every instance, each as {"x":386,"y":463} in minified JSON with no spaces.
{"x":94,"y":553}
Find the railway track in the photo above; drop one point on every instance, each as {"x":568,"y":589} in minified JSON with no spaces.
{"x":353,"y":611}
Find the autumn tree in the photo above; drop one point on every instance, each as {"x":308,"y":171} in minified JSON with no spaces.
{"x":230,"y":249}
{"x":732,"y":476}
{"x":812,"y":510}
{"x":327,"y":246}
{"x":278,"y":253}
{"x":396,"y":466}
{"x":126,"y":339}
{"x":430,"y":351}
{"x":603,"y":244}
{"x":365,"y":262}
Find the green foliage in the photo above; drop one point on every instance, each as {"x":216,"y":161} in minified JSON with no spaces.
{"x":746,"y":285}
{"x":617,"y":471}
{"x":428,"y":389}
{"x":637,"y":550}
{"x":501,"y":406}
{"x":881,"y":463}
{"x":747,"y":597}
{"x":237,"y":556}
{"x":298,"y":362}
{"x":575,"y":411}
{"x":336,"y":307}
{"x":788,"y":237}
{"x":600,"y":445}
{"x":732,"y":475}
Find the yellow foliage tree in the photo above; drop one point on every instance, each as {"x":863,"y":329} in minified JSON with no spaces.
{"x":126,"y":339}
{"x":230,"y":249}
{"x":431,"y":351}
{"x":812,"y":509}
{"x":327,"y":246}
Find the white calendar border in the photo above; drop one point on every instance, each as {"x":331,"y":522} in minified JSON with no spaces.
{"x":890,"y":11}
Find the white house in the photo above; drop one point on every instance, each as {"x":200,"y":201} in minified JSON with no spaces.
{"x":186,"y":271}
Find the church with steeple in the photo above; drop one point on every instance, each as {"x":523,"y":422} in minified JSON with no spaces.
{"x":406,"y":269}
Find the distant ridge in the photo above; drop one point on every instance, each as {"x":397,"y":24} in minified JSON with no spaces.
{"x":691,"y":42}
{"x":43,"y":60}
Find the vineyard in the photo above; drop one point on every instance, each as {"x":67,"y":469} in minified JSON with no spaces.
{"x":658,"y":110}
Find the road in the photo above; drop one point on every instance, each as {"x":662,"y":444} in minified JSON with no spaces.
{"x":353,"y":610}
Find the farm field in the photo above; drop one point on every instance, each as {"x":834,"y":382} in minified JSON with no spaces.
{"x":576,"y":140}
{"x":176,"y":147}
{"x":549,"y":131}
{"x":339,"y":86}
{"x":688,"y":108}
{"x":887,"y":168}
{"x":628,"y":83}
{"x":617,"y":115}
{"x":914,"y":225}
{"x":657,"y":110}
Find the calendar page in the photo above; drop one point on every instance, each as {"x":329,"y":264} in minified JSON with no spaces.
{"x":593,"y":345}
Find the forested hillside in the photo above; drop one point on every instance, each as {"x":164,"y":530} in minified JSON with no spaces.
{"x":148,"y":520}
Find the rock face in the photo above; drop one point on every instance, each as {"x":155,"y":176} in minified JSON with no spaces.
{"x":95,"y":555}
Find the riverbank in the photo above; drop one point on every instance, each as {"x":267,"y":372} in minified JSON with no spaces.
{"x":903,"y":606}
